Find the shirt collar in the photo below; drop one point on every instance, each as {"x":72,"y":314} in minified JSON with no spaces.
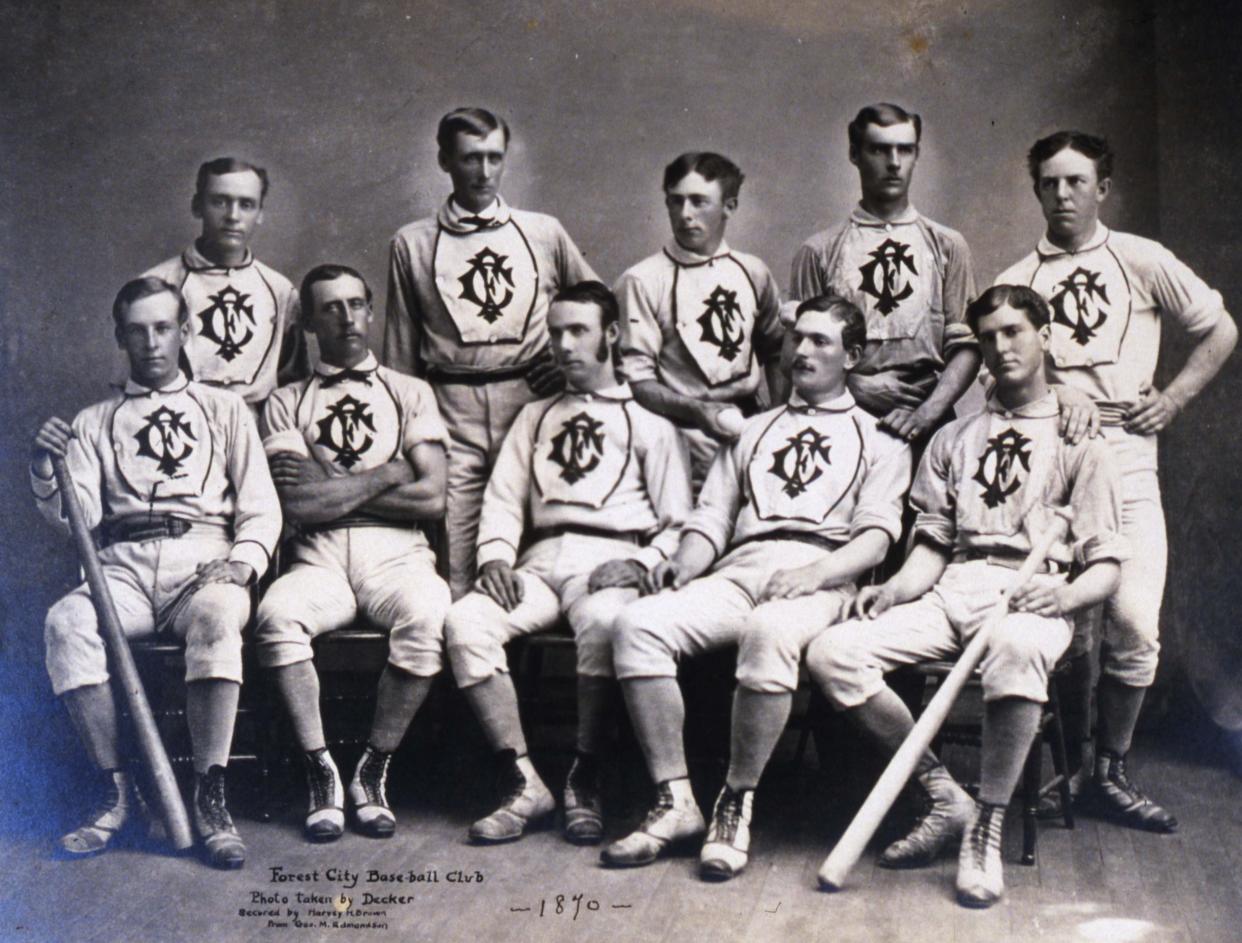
{"x":620,"y":393}
{"x":195,"y":261}
{"x":860,"y":217}
{"x":456,"y":218}
{"x":367,"y":365}
{"x":1042,"y":408}
{"x":683,"y":256}
{"x":1047,"y":250}
{"x":134,"y":388}
{"x":839,"y":404}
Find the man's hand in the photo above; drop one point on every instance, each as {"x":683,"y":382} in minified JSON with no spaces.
{"x":721,"y":421}
{"x":1080,"y":418}
{"x":498,"y":581}
{"x":881,"y":393}
{"x":873,"y":601}
{"x":665,"y":575}
{"x":1040,"y":599}
{"x":545,"y":377}
{"x":223,"y":571}
{"x":51,"y":439}
{"x":909,"y":424}
{"x":289,"y":469}
{"x":790,"y":584}
{"x":1152,"y":414}
{"x":616,"y":573}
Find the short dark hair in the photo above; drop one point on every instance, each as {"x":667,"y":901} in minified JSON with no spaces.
{"x":1024,"y":299}
{"x":709,"y":166}
{"x":148,"y":285}
{"x":327,"y":272}
{"x":853,"y":322}
{"x":1089,"y":145}
{"x":476,"y":121}
{"x":595,"y":293}
{"x":228,"y":165}
{"x":885,"y":114}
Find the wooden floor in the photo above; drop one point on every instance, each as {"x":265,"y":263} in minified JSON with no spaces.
{"x":1096,"y":883}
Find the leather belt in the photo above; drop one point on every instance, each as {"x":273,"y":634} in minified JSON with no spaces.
{"x":138,"y":527}
{"x":1012,"y":561}
{"x":440,"y":374}
{"x":798,"y":536}
{"x":547,"y":533}
{"x":354,"y":520}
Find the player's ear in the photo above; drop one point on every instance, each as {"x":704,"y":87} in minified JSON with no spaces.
{"x":612,"y":333}
{"x":442,"y":160}
{"x":854,"y":155}
{"x":853,"y":356}
{"x":196,"y":206}
{"x":1102,"y":189}
{"x":730,"y":206}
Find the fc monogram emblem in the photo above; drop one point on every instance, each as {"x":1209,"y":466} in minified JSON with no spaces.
{"x":488,"y":283}
{"x":166,"y":439}
{"x":721,"y":321}
{"x":344,"y":431}
{"x":997,"y":470}
{"x":225,"y":322}
{"x":578,"y":447}
{"x":1077,"y":304}
{"x":797,"y":464}
{"x":882,"y":277}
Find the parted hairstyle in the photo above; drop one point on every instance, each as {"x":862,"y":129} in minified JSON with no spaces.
{"x":476,"y":121}
{"x":1019,"y":297}
{"x":846,"y":313}
{"x":710,"y":166}
{"x":1089,"y":145}
{"x":228,"y":165}
{"x":885,"y":114}
{"x":595,"y":293}
{"x":325,"y":273}
{"x":138,"y":288}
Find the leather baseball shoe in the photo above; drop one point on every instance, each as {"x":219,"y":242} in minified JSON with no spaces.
{"x":325,"y":816}
{"x":527,"y":802}
{"x":1123,"y":800}
{"x":980,"y":874}
{"x":368,"y":794}
{"x":105,"y":821}
{"x":222,"y":845}
{"x":671,"y":821}
{"x":584,"y":819}
{"x":727,"y":847}
{"x":948,"y":809}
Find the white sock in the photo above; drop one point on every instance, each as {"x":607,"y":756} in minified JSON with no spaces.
{"x":682,"y":793}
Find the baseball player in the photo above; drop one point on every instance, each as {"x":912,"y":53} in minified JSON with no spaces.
{"x":984,"y":492}
{"x":805,"y":501}
{"x":605,"y":487}
{"x":171,"y":473}
{"x":1109,"y":293}
{"x":911,"y":276}
{"x":358,"y":454}
{"x":699,"y":320}
{"x":243,"y":315}
{"x":468,"y":293}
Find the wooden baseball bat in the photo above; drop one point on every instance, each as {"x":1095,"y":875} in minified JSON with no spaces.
{"x":853,"y":842}
{"x":168,"y":800}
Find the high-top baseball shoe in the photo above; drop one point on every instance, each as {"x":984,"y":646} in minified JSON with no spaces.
{"x":672,"y":820}
{"x":368,"y":794}
{"x":106,"y":820}
{"x":980,"y":874}
{"x":727,"y":847}
{"x":947,"y":810}
{"x":1123,"y":800}
{"x":527,"y":802}
{"x":584,"y":819}
{"x":221,"y":843}
{"x":325,"y":816}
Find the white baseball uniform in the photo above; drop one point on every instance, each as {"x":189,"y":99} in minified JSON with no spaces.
{"x":349,"y":421}
{"x":597,"y":478}
{"x":149,"y":465}
{"x":468,"y":299}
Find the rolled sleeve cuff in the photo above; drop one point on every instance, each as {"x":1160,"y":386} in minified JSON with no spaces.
{"x":44,"y":488}
{"x":1101,"y":548}
{"x":717,"y":541}
{"x":935,"y":528}
{"x":957,"y":336}
{"x":496,"y":550}
{"x":890,"y":526}
{"x":253,"y":553}
{"x":636,"y":368}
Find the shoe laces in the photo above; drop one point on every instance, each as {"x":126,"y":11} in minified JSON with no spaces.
{"x":319,"y":779}
{"x":512,"y":782}
{"x":985,"y":834}
{"x":728,"y":814}
{"x":373,"y":776}
{"x":1116,"y":776}
{"x":211,"y":801}
{"x":663,"y":805}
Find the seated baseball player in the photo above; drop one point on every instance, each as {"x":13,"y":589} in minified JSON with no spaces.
{"x":805,"y":501}
{"x":596,"y":489}
{"x":983,"y":494}
{"x":358,"y":454}
{"x":172,"y":475}
{"x":699,"y":320}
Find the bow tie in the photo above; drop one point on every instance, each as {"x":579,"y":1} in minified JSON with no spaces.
{"x":478,"y":222}
{"x":362,"y":376}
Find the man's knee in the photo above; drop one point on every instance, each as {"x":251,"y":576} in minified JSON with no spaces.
{"x":838,"y":664}
{"x":416,"y":643}
{"x":74,"y":652}
{"x":767,"y":657}
{"x":640,"y":649}
{"x":473,"y":639}
{"x":214,"y":619}
{"x":1021,"y":653}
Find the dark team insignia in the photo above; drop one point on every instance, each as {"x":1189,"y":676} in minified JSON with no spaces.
{"x":997,"y":470}
{"x":578,"y":447}
{"x":797,"y":464}
{"x":166,"y":439}
{"x":343,"y":431}
{"x":1077,"y":304}
{"x":721,"y":321}
{"x":228,"y":321}
{"x":882,"y":277}
{"x":488,"y":283}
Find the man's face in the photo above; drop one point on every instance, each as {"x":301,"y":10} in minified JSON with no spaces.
{"x":476,"y":165}
{"x":885,"y":159}
{"x":1013,"y":348}
{"x":583,"y":349}
{"x":231,"y":208}
{"x":339,"y":319}
{"x":820,"y":360}
{"x":152,"y":338}
{"x":1070,"y":193}
{"x":698,"y":212}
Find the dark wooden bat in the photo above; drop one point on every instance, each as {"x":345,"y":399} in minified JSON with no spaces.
{"x":168,"y":799}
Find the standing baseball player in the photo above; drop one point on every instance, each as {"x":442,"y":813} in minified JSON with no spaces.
{"x":983,"y":495}
{"x":468,"y":293}
{"x":243,"y":315}
{"x":605,"y":487}
{"x":1109,"y":293}
{"x":699,"y":320}
{"x":910,"y":275}
{"x":358,"y":454}
{"x":803,"y":503}
{"x":172,"y":474}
